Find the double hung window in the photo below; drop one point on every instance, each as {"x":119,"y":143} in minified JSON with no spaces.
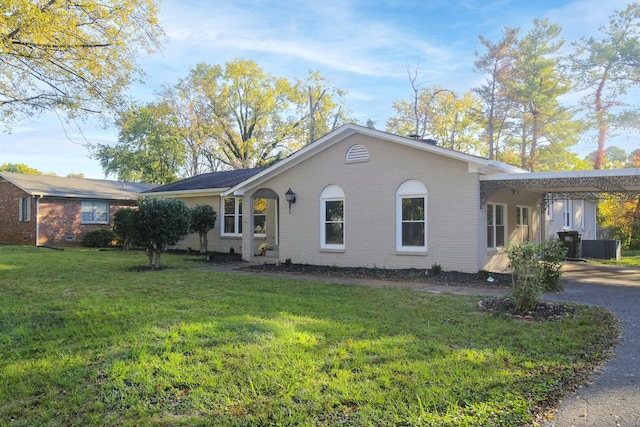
{"x":94,"y":212}
{"x":411,"y":217}
{"x":232,"y":216}
{"x":496,"y":225}
{"x":24,"y":209}
{"x":523,"y":215}
{"x":332,"y":218}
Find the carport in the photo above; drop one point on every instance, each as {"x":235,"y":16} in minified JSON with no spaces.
{"x":571,"y":185}
{"x":576,"y":185}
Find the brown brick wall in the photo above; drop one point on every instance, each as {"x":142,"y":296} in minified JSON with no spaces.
{"x":11,"y":229}
{"x":60,"y":221}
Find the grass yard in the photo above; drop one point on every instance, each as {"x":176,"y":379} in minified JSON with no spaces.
{"x":86,"y":341}
{"x":630,"y":258}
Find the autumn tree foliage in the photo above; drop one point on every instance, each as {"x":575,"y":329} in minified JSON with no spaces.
{"x":19,"y":168}
{"x":221,"y":117}
{"x":439,"y":114}
{"x":73,"y":57}
{"x":621,"y":217}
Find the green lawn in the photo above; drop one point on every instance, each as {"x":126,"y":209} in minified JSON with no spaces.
{"x":86,"y":341}
{"x":630,"y":258}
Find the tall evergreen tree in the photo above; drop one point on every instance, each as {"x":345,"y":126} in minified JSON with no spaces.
{"x":607,"y":66}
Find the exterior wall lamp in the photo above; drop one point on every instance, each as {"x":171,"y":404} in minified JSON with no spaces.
{"x":291,"y":198}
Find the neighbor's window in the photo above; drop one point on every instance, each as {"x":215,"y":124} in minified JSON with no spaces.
{"x":232,"y":221}
{"x":94,"y":212}
{"x":332,"y":218}
{"x":496,"y":225}
{"x":24,"y":209}
{"x":411,"y":217}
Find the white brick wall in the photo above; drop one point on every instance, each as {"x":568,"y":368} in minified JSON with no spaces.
{"x":370,"y":198}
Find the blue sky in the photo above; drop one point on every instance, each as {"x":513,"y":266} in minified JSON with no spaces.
{"x":363,"y":47}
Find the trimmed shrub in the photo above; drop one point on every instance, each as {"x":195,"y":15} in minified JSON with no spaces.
{"x":535,"y":268}
{"x":98,"y":238}
{"x":436,"y":269}
{"x":552,"y":253}
{"x":527,"y":275}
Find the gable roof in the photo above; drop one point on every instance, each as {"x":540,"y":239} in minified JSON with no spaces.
{"x":57,"y":186}
{"x":476,"y":163}
{"x":206,"y":182}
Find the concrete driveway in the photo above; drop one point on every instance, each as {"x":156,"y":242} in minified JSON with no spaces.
{"x":613,"y":398}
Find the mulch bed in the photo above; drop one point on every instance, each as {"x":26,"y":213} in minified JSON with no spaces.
{"x":447,"y":278}
{"x":545,"y":310}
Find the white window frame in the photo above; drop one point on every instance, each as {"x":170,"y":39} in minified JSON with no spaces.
{"x":492,"y":206}
{"x":411,"y":189}
{"x":520,"y":226}
{"x":236,"y":215}
{"x":95,"y":208}
{"x":332,"y":193}
{"x":567,"y":214}
{"x":24,"y":209}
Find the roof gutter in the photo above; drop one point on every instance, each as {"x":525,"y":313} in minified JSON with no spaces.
{"x":186,"y":193}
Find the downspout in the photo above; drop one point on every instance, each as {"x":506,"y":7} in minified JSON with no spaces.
{"x":38,"y":219}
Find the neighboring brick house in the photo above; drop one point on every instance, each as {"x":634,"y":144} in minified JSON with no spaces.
{"x":49,"y":210}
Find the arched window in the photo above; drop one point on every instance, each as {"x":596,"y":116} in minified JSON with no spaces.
{"x":411,"y":217}
{"x":332,"y":218}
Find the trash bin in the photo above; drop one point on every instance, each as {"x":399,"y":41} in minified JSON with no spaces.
{"x":571,"y":240}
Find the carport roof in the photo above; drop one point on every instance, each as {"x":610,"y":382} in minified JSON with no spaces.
{"x":564,"y":185}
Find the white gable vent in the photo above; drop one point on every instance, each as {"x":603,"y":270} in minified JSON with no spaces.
{"x":357,"y":153}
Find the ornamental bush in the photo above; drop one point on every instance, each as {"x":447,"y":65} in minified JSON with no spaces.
{"x":98,"y":238}
{"x":124,"y":226}
{"x":552,"y":253}
{"x":527,"y":275}
{"x":535,"y":268}
{"x":203,"y":219}
{"x":156,"y":224}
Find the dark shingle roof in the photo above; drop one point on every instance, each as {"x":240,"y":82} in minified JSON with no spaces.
{"x":57,"y":186}
{"x":223,"y":180}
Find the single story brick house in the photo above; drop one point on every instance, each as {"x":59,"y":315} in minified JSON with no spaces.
{"x":207,"y":189}
{"x":49,"y":210}
{"x":360,"y":197}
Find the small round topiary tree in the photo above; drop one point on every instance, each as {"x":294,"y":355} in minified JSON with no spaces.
{"x":159,"y":223}
{"x":203,"y":219}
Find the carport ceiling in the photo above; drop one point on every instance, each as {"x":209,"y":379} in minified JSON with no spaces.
{"x":564,"y":185}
